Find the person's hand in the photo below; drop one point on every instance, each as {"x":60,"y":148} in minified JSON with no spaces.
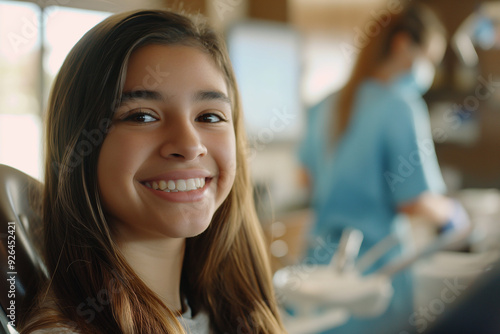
{"x":459,"y":219}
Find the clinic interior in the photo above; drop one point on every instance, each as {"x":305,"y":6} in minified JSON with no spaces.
{"x":288,"y":55}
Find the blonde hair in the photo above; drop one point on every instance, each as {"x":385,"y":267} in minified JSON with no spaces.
{"x":226,"y":269}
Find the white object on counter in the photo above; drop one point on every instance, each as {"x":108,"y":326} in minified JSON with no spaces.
{"x":307,"y":324}
{"x":322,"y":298}
{"x":451,"y":271}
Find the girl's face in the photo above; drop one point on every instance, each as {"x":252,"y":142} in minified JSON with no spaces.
{"x":169,"y":160}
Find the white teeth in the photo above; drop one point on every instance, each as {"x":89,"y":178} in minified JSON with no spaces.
{"x":190,"y":184}
{"x":177,"y":185}
{"x":181,"y":185}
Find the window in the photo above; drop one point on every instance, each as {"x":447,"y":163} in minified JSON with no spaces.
{"x":266,"y":60}
{"x":34,"y":42}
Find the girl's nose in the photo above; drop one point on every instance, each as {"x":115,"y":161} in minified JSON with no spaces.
{"x":183,"y":141}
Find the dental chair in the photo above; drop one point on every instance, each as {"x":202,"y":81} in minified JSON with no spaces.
{"x":21,"y":268}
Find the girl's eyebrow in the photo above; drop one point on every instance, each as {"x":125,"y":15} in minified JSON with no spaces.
{"x":206,"y":95}
{"x":203,"y":95}
{"x":141,"y":95}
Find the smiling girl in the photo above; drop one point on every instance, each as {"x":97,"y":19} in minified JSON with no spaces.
{"x":153,"y":228}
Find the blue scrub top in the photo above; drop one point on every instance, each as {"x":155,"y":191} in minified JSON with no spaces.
{"x":386,"y":157}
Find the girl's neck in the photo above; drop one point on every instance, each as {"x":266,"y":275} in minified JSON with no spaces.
{"x":158,"y":263}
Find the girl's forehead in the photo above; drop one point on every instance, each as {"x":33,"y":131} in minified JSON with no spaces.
{"x":153,"y":65}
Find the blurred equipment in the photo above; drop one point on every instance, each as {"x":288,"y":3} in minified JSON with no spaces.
{"x":477,"y":311}
{"x":346,"y":254}
{"x":483,"y":206}
{"x":22,"y":270}
{"x":321,"y":297}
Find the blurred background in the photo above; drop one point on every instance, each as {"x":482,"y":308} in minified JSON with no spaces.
{"x":288,"y":55}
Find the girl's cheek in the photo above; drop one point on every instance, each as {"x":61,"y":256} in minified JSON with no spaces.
{"x":225,"y":148}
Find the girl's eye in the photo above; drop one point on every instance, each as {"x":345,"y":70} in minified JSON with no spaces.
{"x":210,"y":118}
{"x":140,"y":116}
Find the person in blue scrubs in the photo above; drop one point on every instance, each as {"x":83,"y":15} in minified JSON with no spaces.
{"x":369,"y":155}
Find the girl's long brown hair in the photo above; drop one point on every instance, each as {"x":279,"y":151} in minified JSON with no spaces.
{"x":92,"y":289}
{"x":417,"y":21}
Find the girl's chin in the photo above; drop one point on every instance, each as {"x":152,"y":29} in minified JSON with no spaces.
{"x":188,"y":228}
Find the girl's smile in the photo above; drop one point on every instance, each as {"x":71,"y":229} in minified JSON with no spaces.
{"x":169,"y":161}
{"x":180,"y":186}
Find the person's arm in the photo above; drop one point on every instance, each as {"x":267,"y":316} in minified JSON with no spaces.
{"x":434,"y":208}
{"x":412,"y":158}
{"x":448,"y":214}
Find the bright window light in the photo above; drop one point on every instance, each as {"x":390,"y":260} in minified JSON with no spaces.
{"x":20,"y":144}
{"x":20,"y":73}
{"x":65,"y":27}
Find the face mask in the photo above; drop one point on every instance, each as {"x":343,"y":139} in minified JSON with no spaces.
{"x":420,"y":76}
